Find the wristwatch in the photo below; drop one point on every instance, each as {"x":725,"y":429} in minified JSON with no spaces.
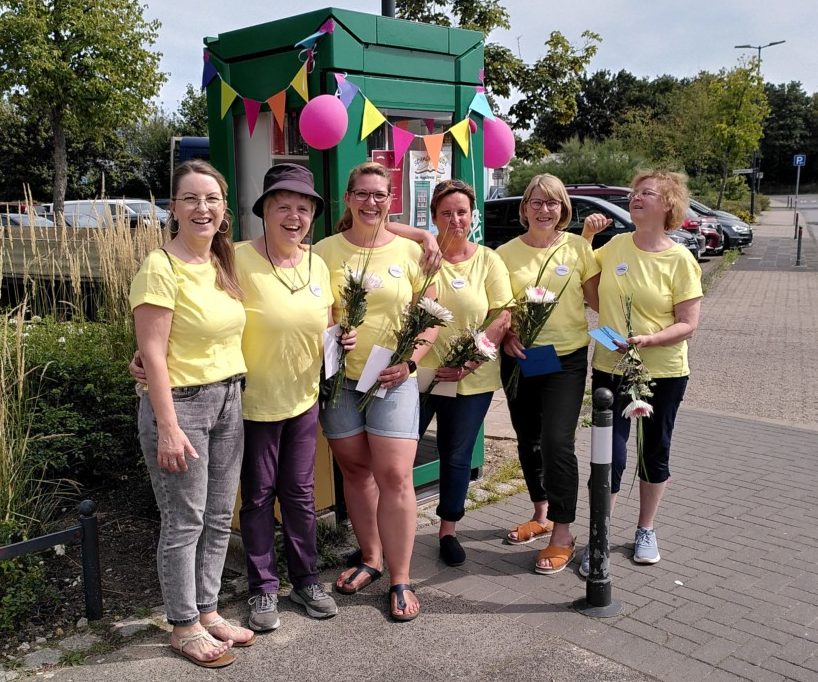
{"x":412,"y":365}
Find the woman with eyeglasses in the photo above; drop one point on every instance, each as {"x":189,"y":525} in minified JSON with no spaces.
{"x":189,"y":318}
{"x":375,"y":449}
{"x":664,"y":283}
{"x":545,"y":409}
{"x":473,"y":284}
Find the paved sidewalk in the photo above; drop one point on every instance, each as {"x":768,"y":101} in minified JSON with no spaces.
{"x":734,"y":597}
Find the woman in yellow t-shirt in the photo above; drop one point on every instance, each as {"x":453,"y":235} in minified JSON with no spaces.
{"x":288,"y":299}
{"x":473,"y":284}
{"x":545,"y":409}
{"x":188,"y":315}
{"x":664,"y":282}
{"x":375,"y":449}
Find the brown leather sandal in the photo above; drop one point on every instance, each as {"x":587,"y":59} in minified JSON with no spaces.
{"x":529,"y":531}
{"x":559,"y":557}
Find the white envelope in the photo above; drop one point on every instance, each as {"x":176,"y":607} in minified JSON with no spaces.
{"x":444,"y":388}
{"x":377,"y":361}
{"x":332,"y":350}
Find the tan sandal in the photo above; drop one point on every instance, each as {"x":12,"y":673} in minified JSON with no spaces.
{"x":559,"y":557}
{"x":529,"y":531}
{"x":221,"y":662}
{"x":226,"y":623}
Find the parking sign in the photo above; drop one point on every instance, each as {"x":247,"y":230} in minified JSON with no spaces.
{"x":799,"y":160}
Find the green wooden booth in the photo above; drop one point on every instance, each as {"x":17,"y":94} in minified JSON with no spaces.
{"x":420,"y":77}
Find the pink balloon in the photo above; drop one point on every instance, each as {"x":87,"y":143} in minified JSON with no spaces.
{"x":498,"y":143}
{"x":323,"y":122}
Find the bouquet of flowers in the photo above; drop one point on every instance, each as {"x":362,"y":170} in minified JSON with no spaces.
{"x":417,"y":318}
{"x":471,"y":345}
{"x":636,"y":383}
{"x":357,"y":284}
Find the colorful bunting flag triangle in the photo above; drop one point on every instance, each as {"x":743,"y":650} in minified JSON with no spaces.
{"x":371,"y":120}
{"x":208,"y":73}
{"x":460,"y":133}
{"x":481,"y":105}
{"x":299,"y":83}
{"x":434,"y":143}
{"x":401,"y":141}
{"x":277,"y":104}
{"x":227,"y":97}
{"x":251,"y":108}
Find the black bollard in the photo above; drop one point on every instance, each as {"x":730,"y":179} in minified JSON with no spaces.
{"x":795,"y":234}
{"x":91,"y":577}
{"x":799,"y":229}
{"x":597,"y":601}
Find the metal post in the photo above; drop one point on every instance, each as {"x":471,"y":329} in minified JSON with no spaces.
{"x":795,"y":234}
{"x":597,"y":601}
{"x":91,"y":577}
{"x":797,"y":190}
{"x":753,"y":185}
{"x":388,"y":8}
{"x":798,"y":250}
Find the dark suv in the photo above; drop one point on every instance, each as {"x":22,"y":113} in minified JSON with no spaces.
{"x":502,"y":222}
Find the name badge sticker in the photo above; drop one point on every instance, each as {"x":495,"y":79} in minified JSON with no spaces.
{"x":458,"y":283}
{"x":562,"y":270}
{"x":396,"y":271}
{"x":621,"y":269}
{"x":316,"y":290}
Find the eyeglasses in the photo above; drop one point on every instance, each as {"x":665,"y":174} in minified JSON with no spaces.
{"x":191,"y":201}
{"x":643,"y":193}
{"x":550,"y":204}
{"x":362,"y":195}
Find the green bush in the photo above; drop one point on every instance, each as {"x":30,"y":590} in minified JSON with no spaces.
{"x":86,"y":404}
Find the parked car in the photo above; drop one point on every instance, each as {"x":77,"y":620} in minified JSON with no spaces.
{"x":93,"y":213}
{"x":693,"y":224}
{"x":23,"y":220}
{"x":737,"y":233}
{"x":502,"y":222}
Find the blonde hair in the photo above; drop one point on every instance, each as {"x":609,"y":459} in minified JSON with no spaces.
{"x":551,"y":186}
{"x":673,"y":192}
{"x":221,"y":249}
{"x":366,"y":168}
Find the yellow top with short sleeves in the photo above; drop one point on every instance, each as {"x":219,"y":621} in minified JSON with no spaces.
{"x":204,"y":345}
{"x":397,"y":264}
{"x":282,"y":340}
{"x":571,"y":266}
{"x":469,"y":290}
{"x":657,"y":282}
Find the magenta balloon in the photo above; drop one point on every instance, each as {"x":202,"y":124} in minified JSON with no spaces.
{"x":323,"y":122}
{"x":498,"y":143}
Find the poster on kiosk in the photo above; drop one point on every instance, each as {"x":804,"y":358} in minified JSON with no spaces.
{"x":423,"y":178}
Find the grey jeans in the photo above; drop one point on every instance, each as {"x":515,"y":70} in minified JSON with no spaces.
{"x":196,"y":506}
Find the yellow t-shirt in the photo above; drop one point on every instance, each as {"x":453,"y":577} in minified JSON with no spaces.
{"x":282,"y":340}
{"x":469,"y":290}
{"x":205,"y":336}
{"x":397,"y":264}
{"x":573,"y":262}
{"x":657,"y":282}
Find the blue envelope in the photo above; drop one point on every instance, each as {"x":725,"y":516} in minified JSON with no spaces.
{"x":539,"y":360}
{"x":606,"y":336}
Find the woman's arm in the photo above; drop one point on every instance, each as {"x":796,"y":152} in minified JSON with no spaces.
{"x":348,"y":339}
{"x":496,"y":331}
{"x":593,"y":224}
{"x":152,"y":324}
{"x":430,"y":262}
{"x":686,"y":315}
{"x":590,"y":291}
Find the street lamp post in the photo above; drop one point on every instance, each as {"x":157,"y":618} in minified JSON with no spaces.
{"x":754,"y":181}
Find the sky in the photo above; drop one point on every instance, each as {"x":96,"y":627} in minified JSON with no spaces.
{"x":646,"y":38}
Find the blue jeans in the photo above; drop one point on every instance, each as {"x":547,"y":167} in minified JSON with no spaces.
{"x":458,"y":422}
{"x":656,"y":429}
{"x":196,"y":506}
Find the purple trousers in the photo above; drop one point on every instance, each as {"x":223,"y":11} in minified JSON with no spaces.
{"x":279,"y":462}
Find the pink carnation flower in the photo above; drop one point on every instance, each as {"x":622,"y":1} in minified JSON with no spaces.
{"x":637,"y":408}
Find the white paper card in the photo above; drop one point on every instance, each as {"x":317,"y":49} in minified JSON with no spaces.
{"x":332,"y":350}
{"x":444,"y":388}
{"x":377,"y":361}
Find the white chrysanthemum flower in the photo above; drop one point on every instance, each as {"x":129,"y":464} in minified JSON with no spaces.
{"x":484,"y":346}
{"x":436,"y":310}
{"x":540,"y":295}
{"x":637,"y":408}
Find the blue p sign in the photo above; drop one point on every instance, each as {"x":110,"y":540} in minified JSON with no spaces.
{"x":799,"y":160}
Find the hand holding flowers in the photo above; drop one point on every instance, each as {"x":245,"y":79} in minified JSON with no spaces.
{"x":418,"y":317}
{"x":468,"y":350}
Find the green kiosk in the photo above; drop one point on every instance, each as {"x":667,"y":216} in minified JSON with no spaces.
{"x":392,"y":75}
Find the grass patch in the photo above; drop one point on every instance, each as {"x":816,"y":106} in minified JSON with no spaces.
{"x":73,"y":658}
{"x":727,"y":260}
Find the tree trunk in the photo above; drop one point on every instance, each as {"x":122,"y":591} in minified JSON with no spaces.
{"x":60,"y":161}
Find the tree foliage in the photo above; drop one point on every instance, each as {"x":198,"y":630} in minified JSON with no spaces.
{"x":549,"y":85}
{"x":85,"y":67}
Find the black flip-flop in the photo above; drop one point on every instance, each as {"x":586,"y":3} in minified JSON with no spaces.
{"x":400,"y":602}
{"x":373,"y":573}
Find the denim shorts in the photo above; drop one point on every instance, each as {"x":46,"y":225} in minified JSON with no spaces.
{"x":394,"y":416}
